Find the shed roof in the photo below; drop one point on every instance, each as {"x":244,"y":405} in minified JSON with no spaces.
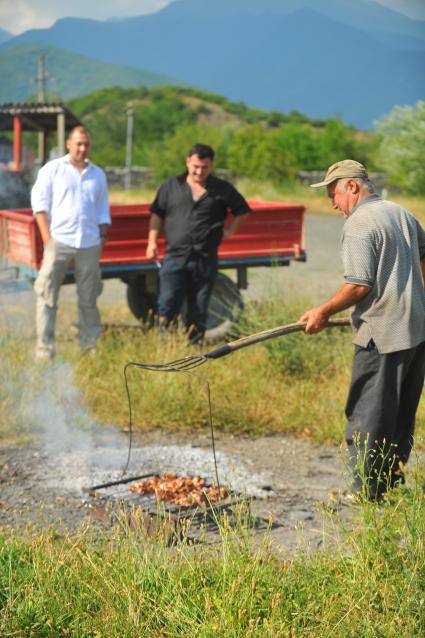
{"x":36,"y":116}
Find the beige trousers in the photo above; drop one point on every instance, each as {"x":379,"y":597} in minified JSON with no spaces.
{"x":56,"y":261}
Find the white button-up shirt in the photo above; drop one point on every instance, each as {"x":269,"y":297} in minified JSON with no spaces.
{"x":76,"y":203}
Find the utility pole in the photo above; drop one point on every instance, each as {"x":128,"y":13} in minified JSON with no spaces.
{"x":41,"y":96}
{"x":41,"y":79}
{"x":129,"y":143}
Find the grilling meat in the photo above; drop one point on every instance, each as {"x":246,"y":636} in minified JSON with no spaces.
{"x":180,"y":490}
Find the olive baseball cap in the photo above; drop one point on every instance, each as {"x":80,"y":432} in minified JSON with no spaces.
{"x":340,"y":170}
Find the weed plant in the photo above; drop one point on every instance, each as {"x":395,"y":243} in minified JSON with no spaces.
{"x":127,"y":584}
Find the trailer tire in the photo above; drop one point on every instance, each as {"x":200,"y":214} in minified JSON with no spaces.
{"x":224,"y":308}
{"x":223,"y":311}
{"x":142,"y":304}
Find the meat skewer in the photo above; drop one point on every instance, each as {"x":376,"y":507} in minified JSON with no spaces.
{"x":180,"y":490}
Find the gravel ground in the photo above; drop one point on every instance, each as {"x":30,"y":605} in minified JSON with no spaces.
{"x":289,"y":480}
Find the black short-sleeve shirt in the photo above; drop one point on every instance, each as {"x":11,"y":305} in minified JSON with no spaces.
{"x":196,"y":226}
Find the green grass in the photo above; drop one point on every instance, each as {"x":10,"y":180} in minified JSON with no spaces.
{"x":315,"y":200}
{"x":369,"y":582}
{"x":293,"y":384}
{"x":14,"y":386}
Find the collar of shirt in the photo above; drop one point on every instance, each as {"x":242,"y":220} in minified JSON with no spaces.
{"x":209,"y":184}
{"x":67,"y":160}
{"x":373,"y":197}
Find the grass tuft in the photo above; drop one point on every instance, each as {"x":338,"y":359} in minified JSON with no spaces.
{"x":126,"y":584}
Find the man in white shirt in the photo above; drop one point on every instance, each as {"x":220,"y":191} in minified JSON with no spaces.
{"x":70,"y":204}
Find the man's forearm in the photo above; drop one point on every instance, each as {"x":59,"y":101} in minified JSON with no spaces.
{"x":42,"y":219}
{"x":348,"y":295}
{"x":234,"y":225}
{"x":153,"y":236}
{"x":103,"y":232}
{"x":155,"y":226}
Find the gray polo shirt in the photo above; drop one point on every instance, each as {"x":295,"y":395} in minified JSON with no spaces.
{"x":382,"y":247}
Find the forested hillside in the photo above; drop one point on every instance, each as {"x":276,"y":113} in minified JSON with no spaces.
{"x":272,"y":54}
{"x":67,"y":74}
{"x":249,"y":142}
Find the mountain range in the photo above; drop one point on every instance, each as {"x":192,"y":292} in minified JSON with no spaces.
{"x":67,"y":74}
{"x":354,"y":58}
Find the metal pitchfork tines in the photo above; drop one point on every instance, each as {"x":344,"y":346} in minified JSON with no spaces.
{"x":191,"y":361}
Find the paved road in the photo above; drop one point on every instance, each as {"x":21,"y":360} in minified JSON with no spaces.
{"x":315,"y":279}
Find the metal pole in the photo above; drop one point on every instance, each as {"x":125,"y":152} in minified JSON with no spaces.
{"x":127,"y":182}
{"x":61,"y":133}
{"x":41,"y":96}
{"x":41,"y":78}
{"x":17,"y":143}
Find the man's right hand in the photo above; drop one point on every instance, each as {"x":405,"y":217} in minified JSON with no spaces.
{"x":152,"y":251}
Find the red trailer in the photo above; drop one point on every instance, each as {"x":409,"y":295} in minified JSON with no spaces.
{"x":272,"y":235}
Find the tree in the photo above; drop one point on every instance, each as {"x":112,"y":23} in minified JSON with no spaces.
{"x":256,"y":152}
{"x":299,"y":141}
{"x":336,"y":141}
{"x":167,"y":157}
{"x":401,"y":152}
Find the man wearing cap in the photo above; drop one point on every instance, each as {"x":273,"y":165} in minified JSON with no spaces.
{"x":383,"y":253}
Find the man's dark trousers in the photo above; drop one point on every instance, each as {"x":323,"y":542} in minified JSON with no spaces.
{"x":191,"y":279}
{"x":381,"y":407}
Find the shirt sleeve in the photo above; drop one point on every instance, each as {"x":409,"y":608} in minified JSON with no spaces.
{"x":237,"y":203}
{"x":41,"y":194}
{"x":359,"y":260}
{"x":159,"y":204}
{"x":103,"y":212}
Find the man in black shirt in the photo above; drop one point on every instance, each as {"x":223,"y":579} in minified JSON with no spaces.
{"x":192,"y":207}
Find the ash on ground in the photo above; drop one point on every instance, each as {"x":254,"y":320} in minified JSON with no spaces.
{"x":287,"y":480}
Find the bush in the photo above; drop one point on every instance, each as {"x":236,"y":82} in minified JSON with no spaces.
{"x":401,"y":150}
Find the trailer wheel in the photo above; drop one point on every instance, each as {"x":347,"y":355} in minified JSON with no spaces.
{"x":224,"y":308}
{"x":223,"y":311}
{"x":142,"y":304}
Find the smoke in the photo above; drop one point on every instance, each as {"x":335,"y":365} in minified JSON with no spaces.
{"x":77,"y":452}
{"x":15,"y":189}
{"x":75,"y":449}
{"x":71,"y":446}
{"x":72,"y":450}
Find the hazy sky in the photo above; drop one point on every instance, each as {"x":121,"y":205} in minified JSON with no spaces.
{"x":20,"y":15}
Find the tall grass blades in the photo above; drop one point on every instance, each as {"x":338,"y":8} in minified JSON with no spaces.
{"x":124,"y":585}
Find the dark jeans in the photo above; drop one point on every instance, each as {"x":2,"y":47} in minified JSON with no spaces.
{"x":192,"y":280}
{"x":381,"y":407}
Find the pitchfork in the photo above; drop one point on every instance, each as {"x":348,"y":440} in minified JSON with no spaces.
{"x":191,"y":361}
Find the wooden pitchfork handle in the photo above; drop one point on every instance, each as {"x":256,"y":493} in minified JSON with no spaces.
{"x":243,"y":342}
